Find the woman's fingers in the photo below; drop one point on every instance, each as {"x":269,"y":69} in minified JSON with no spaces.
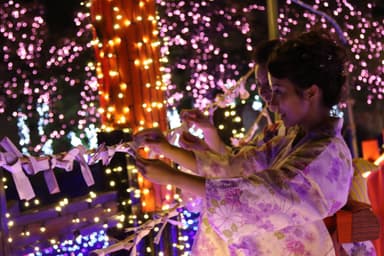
{"x":145,"y":165}
{"x":154,"y":170}
{"x":189,"y":141}
{"x":147,"y":136}
{"x":187,"y":137}
{"x":150,"y":133}
{"x":197,"y":118}
{"x":140,"y":164}
{"x":192,"y":115}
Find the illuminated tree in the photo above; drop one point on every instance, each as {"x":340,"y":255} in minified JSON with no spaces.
{"x":208,"y":45}
{"x":48,"y":84}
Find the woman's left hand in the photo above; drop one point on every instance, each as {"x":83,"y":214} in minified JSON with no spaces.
{"x":161,"y":173}
{"x":156,"y":170}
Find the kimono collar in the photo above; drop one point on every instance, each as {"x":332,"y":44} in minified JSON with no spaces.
{"x":331,"y":127}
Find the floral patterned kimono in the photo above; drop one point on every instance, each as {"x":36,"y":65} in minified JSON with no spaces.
{"x":271,"y":200}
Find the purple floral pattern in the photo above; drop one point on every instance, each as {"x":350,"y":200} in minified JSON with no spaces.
{"x":360,"y":249}
{"x":271,"y":200}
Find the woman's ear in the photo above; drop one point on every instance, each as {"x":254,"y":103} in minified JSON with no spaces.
{"x":312,"y":91}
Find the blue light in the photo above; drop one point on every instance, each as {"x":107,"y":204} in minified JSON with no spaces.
{"x":82,"y":245}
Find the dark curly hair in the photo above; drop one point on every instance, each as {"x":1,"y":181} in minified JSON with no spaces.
{"x":311,"y":58}
{"x":264,"y":50}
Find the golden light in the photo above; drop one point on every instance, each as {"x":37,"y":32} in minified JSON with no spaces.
{"x":127,"y":62}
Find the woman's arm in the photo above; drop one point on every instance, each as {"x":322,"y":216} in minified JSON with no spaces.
{"x":181,"y":156}
{"x":159,"y":172}
{"x":155,"y":140}
{"x":196,"y":118}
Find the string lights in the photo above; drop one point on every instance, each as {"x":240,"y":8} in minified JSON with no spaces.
{"x":128,"y":68}
{"x":48,"y":85}
{"x":197,"y":34}
{"x":364,"y":33}
{"x":185,"y":51}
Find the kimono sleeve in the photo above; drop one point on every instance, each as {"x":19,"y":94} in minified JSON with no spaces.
{"x":304,"y":188}
{"x":211,"y":164}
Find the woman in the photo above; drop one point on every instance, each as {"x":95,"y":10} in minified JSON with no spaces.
{"x":271,"y":200}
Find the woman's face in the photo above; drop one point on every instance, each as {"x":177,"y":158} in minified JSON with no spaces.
{"x":292,"y":107}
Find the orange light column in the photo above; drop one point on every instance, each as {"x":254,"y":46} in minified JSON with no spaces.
{"x":128,"y":71}
{"x":128,"y":68}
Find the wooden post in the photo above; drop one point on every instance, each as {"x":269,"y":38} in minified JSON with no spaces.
{"x":4,"y":246}
{"x":351,"y":124}
{"x":130,"y":82}
{"x":273,"y":32}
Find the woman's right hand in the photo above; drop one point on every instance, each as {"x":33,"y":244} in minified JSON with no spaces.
{"x":153,"y":138}
{"x":191,"y":142}
{"x":197,"y":118}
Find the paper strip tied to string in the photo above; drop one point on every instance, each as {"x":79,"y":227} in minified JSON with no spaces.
{"x":133,"y":240}
{"x":36,"y":165}
{"x":77,"y":154}
{"x":16,"y":163}
{"x":85,"y":170}
{"x":12,"y":163}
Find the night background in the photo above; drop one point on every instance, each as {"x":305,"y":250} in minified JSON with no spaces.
{"x":50,"y":98}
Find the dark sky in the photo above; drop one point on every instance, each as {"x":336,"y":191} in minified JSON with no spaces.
{"x":60,"y":13}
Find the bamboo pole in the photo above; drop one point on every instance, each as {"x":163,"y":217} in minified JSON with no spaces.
{"x":273,"y":32}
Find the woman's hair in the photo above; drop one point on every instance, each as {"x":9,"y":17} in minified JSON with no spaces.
{"x":311,"y":58}
{"x":264,"y":50}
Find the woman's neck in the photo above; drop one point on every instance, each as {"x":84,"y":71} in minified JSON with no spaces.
{"x":316,"y":119}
